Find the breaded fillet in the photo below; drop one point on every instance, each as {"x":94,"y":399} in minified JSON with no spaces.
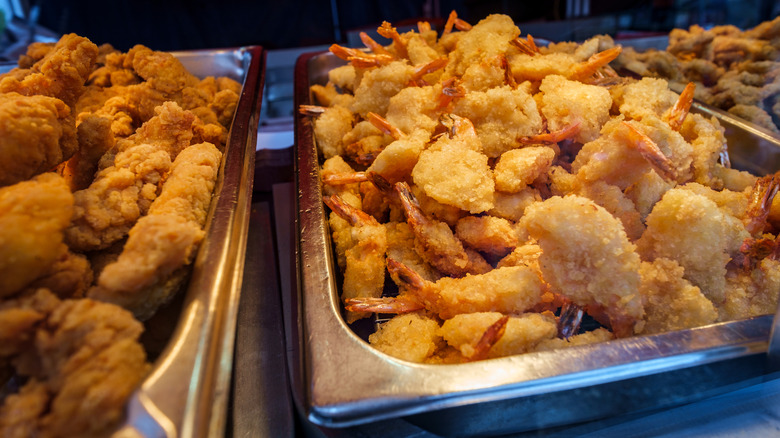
{"x":166,"y":239}
{"x":33,"y":216}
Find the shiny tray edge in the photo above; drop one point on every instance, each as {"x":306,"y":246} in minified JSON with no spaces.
{"x":188,"y":388}
{"x":354,"y":384}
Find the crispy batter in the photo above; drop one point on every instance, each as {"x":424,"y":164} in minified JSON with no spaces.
{"x":164,"y":240}
{"x":33,"y":215}
{"x":124,"y":189}
{"x":36,"y":134}
{"x":61,"y":73}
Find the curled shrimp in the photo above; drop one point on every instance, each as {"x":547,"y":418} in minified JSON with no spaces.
{"x":439,"y":245}
{"x":383,"y":125}
{"x":527,"y":45}
{"x":489,"y":338}
{"x":651,"y":152}
{"x":420,"y":71}
{"x":359,"y":58}
{"x":511,"y":289}
{"x":340,"y":179}
{"x":388,"y":31}
{"x":552,"y":137}
{"x":450,"y":90}
{"x":588,"y":68}
{"x":761,"y":198}
{"x":680,"y":110}
{"x":423,"y":27}
{"x":364,"y":273}
{"x":311,"y":110}
{"x":373,"y":45}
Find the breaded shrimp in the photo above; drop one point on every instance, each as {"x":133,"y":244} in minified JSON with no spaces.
{"x":587,"y":257}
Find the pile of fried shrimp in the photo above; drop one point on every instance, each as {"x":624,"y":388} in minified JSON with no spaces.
{"x":509,"y":190}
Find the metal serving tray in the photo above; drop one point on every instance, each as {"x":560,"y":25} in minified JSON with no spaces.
{"x":339,"y":380}
{"x":188,"y":388}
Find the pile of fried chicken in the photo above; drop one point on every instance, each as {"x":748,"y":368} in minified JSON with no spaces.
{"x":108,"y":161}
{"x":737,"y":71}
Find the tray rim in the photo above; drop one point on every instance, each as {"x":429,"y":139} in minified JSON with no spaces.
{"x":186,"y":393}
{"x":375,"y":396}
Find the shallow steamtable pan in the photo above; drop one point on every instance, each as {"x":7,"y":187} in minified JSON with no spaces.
{"x":187,"y":390}
{"x":339,"y":380}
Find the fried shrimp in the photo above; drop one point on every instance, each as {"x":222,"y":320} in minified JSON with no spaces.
{"x":513,"y":182}
{"x":587,"y":256}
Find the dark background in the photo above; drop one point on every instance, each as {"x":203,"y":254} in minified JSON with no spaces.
{"x":181,"y":24}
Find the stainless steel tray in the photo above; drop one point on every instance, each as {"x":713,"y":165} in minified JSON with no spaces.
{"x":339,"y":380}
{"x":187,"y":391}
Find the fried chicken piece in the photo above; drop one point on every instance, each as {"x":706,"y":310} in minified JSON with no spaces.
{"x":95,"y":139}
{"x":61,"y":73}
{"x":20,"y":411}
{"x":87,"y":357}
{"x":33,"y":215}
{"x":69,"y":277}
{"x":19,"y":318}
{"x":36,"y":134}
{"x":166,"y":239}
{"x":127,"y":180}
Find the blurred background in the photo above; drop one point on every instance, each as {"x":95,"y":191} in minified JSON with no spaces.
{"x":189,"y":24}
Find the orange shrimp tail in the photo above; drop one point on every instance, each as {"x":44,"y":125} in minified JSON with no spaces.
{"x":682,"y":107}
{"x":399,"y":304}
{"x":651,"y":152}
{"x":492,"y":335}
{"x":552,"y":137}
{"x":587,"y":69}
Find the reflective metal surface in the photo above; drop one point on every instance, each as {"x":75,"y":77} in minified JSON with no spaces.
{"x":339,"y":380}
{"x":187,"y":391}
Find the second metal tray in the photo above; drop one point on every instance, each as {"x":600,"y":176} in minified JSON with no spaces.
{"x":340,"y":380}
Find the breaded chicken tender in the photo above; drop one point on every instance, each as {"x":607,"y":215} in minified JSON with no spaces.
{"x":85,"y":360}
{"x":61,"y":73}
{"x":124,"y":189}
{"x":33,"y":216}
{"x":36,"y":134}
{"x":166,"y":239}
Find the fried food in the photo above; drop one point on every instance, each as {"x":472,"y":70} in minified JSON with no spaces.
{"x":128,"y":180}
{"x":36,"y":134}
{"x":166,"y":239}
{"x":734,"y":70}
{"x":33,"y":217}
{"x":105,"y":185}
{"x":520,"y":187}
{"x":83,"y":362}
